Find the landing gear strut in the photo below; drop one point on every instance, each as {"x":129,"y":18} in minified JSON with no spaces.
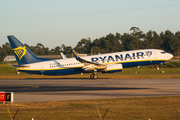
{"x":94,"y":75}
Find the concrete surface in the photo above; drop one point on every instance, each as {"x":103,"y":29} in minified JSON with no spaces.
{"x":28,"y":90}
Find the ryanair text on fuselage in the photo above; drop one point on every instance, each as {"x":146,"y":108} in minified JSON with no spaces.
{"x":121,"y":57}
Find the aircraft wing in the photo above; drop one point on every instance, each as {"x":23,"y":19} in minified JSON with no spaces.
{"x":88,"y":64}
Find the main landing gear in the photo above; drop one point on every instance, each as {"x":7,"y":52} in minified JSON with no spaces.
{"x":94,"y":75}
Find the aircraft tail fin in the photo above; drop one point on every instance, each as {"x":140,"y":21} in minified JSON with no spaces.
{"x":75,"y":54}
{"x":22,"y":53}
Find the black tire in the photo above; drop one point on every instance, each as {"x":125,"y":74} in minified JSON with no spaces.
{"x":91,"y":76}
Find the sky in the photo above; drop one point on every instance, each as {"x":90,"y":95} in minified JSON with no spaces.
{"x":57,"y":22}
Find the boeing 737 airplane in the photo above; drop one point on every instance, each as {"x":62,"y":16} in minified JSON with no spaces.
{"x":105,"y":63}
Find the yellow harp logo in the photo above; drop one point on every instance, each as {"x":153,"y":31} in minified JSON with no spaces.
{"x":20,"y":52}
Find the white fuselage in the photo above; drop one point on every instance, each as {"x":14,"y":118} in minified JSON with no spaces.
{"x":127,"y":59}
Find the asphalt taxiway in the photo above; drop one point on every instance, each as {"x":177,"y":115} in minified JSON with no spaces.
{"x":28,"y":90}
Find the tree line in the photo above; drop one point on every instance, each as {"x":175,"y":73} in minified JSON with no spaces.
{"x":136,"y":39}
{"x":168,"y":41}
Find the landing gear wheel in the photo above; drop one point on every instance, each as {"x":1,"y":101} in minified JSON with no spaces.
{"x":93,"y":76}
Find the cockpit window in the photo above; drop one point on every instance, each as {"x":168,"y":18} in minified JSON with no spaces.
{"x":163,"y":52}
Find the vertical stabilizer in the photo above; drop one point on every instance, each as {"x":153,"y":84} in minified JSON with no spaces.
{"x":22,"y":53}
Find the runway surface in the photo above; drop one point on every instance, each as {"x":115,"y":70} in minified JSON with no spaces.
{"x":28,"y":90}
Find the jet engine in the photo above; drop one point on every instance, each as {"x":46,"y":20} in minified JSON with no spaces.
{"x":110,"y":68}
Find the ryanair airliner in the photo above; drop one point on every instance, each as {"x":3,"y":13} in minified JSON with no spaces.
{"x":105,"y":63}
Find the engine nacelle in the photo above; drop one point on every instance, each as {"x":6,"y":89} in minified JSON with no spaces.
{"x":113,"y":68}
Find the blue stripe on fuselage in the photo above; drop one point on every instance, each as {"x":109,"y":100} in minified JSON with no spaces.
{"x":54,"y":72}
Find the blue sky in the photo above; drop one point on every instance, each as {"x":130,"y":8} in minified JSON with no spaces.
{"x":57,"y":22}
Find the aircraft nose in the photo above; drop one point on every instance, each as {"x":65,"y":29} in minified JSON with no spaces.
{"x":169,"y":56}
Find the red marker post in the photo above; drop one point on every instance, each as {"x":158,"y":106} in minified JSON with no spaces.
{"x":6,"y":97}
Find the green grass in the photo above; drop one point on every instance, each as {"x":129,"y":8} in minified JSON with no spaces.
{"x":8,"y":62}
{"x":7,"y":69}
{"x":135,"y":108}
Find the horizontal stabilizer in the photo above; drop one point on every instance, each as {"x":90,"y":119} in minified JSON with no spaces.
{"x":18,"y":66}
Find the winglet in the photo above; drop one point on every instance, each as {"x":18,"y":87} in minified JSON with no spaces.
{"x":75,"y":54}
{"x":63,"y":56}
{"x":86,"y":62}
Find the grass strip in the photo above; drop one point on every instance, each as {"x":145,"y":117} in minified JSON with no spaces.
{"x":135,"y":108}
